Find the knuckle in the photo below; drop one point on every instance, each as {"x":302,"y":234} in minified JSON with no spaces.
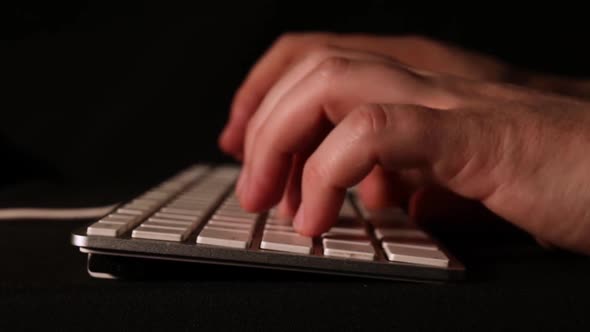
{"x":369,"y":119}
{"x":331,"y":66}
{"x":318,"y":53}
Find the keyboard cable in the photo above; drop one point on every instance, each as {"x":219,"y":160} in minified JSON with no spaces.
{"x":55,"y":213}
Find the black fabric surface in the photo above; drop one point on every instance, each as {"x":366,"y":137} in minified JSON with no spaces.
{"x":513,"y":284}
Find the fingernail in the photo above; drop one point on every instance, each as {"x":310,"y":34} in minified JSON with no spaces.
{"x":298,"y":220}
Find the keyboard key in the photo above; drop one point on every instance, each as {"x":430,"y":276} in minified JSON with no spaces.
{"x":182,"y":211}
{"x":347,"y":238}
{"x":415,"y":256}
{"x":224,"y":238}
{"x":223,"y":228}
{"x":348,"y":249}
{"x":407,"y":233}
{"x":359,"y":231}
{"x":135,"y":212}
{"x":153,"y":233}
{"x":218,"y":216}
{"x":140,"y":206}
{"x":125,"y":218}
{"x":155,"y":224}
{"x":113,"y":221}
{"x":106,"y":229}
{"x":176,"y":216}
{"x":228,"y":213}
{"x":232,"y":225}
{"x":286,"y":242}
{"x":158,"y":195}
{"x":279,"y":228}
{"x":171,"y":222}
{"x":412,"y":243}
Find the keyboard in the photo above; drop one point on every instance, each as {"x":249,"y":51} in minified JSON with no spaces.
{"x":194,"y":217}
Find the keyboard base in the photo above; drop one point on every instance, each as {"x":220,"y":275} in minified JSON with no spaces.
{"x":145,"y":253}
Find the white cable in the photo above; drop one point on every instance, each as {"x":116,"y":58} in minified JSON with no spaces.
{"x":51,"y":213}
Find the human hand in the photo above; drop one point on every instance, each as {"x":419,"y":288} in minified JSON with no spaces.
{"x":290,"y":49}
{"x":333,"y":117}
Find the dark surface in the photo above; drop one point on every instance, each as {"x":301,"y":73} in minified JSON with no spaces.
{"x":100,"y":100}
{"x":513,"y":284}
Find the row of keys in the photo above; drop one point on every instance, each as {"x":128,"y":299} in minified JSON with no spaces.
{"x":176,"y":220}
{"x":402,"y":242}
{"x":229,"y":226}
{"x":131,"y":214}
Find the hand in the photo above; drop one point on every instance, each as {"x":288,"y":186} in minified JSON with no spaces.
{"x":415,"y":51}
{"x":337,"y":114}
{"x":290,"y":49}
{"x":380,"y":188}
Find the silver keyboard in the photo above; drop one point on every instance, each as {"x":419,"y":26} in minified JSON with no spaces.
{"x":194,"y":216}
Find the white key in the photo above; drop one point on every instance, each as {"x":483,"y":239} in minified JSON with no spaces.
{"x":135,"y":212}
{"x":346,"y":238}
{"x":152,"y":233}
{"x":182,"y":211}
{"x":122,"y":217}
{"x":157,"y":195}
{"x":408,"y":233}
{"x":171,"y":222}
{"x":106,"y":229}
{"x":279,"y":228}
{"x":114,"y":218}
{"x":113,"y":221}
{"x":231,"y":225}
{"x":286,"y":242}
{"x":415,"y":256}
{"x":222,"y":228}
{"x":217,"y":216}
{"x":176,"y":216}
{"x":243,"y":214}
{"x":348,"y":230}
{"x":348,"y":249}
{"x":224,"y":238}
{"x":140,"y":206}
{"x":416,"y":244}
{"x":155,"y":224}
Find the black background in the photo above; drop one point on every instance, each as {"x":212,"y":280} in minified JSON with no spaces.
{"x":99,"y":91}
{"x":101,"y":99}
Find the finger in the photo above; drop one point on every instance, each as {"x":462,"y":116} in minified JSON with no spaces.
{"x":395,"y":137}
{"x":291,"y":78}
{"x":382,"y":189}
{"x":346,"y":156}
{"x":323,"y":97}
{"x":292,"y":195}
{"x":258,"y":82}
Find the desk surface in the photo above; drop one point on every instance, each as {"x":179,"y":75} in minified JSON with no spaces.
{"x":514,"y":284}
